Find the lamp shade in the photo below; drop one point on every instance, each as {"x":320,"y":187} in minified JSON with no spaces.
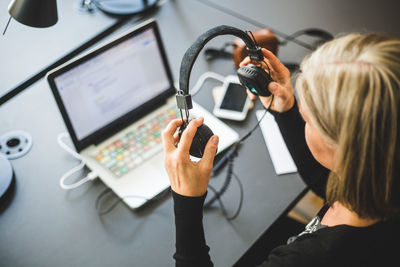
{"x":34,"y":13}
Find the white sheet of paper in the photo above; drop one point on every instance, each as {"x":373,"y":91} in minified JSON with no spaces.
{"x":278,"y":151}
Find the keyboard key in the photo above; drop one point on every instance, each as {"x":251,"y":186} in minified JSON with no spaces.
{"x":104,"y":160}
{"x":144,"y":141}
{"x":124,"y":169}
{"x":134,"y":147}
{"x":110,"y":163}
{"x":114,"y":168}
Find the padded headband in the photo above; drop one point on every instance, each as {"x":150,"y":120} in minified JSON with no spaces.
{"x":191,"y":54}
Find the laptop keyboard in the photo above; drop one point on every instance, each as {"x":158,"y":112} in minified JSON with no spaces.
{"x":136,"y":146}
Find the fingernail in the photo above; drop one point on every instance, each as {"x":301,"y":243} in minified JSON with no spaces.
{"x":214,"y":140}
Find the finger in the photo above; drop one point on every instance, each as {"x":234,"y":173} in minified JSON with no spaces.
{"x":176,"y":139}
{"x":167,"y":134}
{"x":251,"y":95}
{"x":188,"y":134}
{"x":245,"y":62}
{"x":209,"y":152}
{"x":275,"y":63}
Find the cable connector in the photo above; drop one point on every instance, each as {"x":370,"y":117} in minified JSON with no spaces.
{"x":91,"y":176}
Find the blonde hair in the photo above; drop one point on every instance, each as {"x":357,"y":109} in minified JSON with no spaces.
{"x":350,"y":87}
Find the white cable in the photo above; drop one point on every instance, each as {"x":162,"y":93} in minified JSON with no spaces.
{"x":68,"y":174}
{"x":65,"y":146}
{"x":91,"y":176}
{"x":206,"y":75}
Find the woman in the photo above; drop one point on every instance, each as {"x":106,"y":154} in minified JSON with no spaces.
{"x":343,"y":133}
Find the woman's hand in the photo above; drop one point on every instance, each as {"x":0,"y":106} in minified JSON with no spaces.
{"x":187,"y":178}
{"x":281,"y":88}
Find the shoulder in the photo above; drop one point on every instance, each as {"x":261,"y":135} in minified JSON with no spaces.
{"x":341,"y":246}
{"x":306,"y":250}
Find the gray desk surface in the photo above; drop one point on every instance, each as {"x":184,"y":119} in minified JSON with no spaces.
{"x":24,"y":50}
{"x":47,"y":226}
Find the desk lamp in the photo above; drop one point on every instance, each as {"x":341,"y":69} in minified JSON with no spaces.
{"x":35,"y":13}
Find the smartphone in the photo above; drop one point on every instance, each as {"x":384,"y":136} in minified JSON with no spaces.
{"x":234,"y":102}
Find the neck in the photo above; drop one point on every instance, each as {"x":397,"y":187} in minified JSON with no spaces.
{"x":338,"y":214}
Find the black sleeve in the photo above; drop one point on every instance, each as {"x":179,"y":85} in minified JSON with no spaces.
{"x":191,"y":248}
{"x":291,"y":125}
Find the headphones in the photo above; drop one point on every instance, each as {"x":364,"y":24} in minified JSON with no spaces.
{"x":251,"y":76}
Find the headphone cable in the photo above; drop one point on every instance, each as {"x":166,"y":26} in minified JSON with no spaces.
{"x":229,"y":156}
{"x":224,"y":212}
{"x":235,"y":146}
{"x":100,"y":202}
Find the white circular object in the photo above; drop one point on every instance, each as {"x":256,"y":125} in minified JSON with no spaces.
{"x":15,"y":144}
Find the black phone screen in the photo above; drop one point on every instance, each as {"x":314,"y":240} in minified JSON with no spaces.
{"x":234,"y":98}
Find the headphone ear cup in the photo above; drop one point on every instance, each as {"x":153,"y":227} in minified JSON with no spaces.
{"x":255,"y":78}
{"x":203,"y":134}
{"x":200,"y":140}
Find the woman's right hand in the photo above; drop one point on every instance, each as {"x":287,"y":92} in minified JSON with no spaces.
{"x":187,"y":178}
{"x":281,"y":88}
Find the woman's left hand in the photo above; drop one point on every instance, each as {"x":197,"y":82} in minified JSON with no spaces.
{"x":187,"y":178}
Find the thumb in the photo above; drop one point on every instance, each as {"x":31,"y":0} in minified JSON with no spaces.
{"x":210,"y":151}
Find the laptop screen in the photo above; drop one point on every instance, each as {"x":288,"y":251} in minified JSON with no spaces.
{"x":113,"y":82}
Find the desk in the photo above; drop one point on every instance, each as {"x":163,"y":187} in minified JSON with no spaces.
{"x":26,"y":51}
{"x":46,"y":226}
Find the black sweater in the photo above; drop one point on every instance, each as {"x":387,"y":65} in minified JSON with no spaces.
{"x":341,"y":245}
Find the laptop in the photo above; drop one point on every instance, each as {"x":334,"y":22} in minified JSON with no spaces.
{"x":115,"y":101}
